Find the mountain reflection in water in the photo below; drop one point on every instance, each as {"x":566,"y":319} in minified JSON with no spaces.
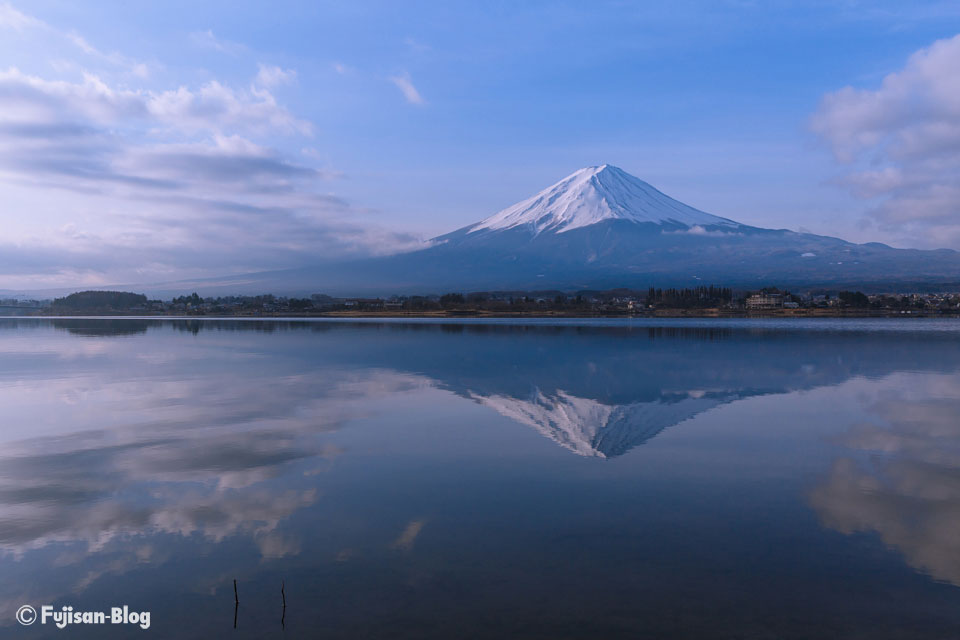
{"x":133,"y":446}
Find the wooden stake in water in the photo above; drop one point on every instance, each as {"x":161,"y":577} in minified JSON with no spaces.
{"x":283,"y":613}
{"x":236,"y":603}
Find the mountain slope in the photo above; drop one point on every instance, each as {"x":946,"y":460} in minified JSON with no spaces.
{"x":603,"y":228}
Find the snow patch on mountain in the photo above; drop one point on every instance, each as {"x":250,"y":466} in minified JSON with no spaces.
{"x":595,"y":194}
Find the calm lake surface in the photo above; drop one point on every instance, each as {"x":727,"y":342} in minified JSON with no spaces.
{"x":616,"y":479}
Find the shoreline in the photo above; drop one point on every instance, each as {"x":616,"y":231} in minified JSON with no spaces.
{"x":453,"y":314}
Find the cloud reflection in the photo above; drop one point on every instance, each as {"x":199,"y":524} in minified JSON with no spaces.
{"x":182,"y":448}
{"x":409,"y":536}
{"x":908,"y":492}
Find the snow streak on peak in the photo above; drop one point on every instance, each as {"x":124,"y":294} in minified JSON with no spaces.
{"x":592,"y":195}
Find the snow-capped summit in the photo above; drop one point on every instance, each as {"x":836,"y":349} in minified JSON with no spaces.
{"x":595,"y":194}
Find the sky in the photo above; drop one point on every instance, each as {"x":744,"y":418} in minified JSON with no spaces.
{"x":152,"y":142}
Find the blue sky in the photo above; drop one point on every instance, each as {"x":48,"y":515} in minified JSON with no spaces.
{"x":149,"y":142}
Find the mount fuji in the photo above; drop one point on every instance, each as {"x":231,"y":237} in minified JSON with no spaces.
{"x":601,"y":227}
{"x":594,"y":195}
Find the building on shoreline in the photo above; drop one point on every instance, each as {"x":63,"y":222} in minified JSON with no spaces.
{"x":765,"y":301}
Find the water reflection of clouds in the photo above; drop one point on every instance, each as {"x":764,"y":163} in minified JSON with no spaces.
{"x":908,"y":492}
{"x":157,"y":466}
{"x":181,"y":457}
{"x":408,"y":536}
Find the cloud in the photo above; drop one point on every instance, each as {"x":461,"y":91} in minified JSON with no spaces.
{"x":163,"y":184}
{"x":405,"y":84}
{"x":217,"y":107}
{"x":136,"y":68}
{"x":697,"y":230}
{"x":271,"y":76}
{"x":110,"y":180}
{"x":902,"y":142}
{"x":207,"y":40}
{"x":11,"y":18}
{"x":28,"y":99}
{"x":231,"y":159}
{"x":57,"y":127}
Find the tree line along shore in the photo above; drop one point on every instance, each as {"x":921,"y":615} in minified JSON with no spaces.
{"x":705,"y":301}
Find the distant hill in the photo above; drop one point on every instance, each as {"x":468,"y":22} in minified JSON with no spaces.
{"x":100,"y":301}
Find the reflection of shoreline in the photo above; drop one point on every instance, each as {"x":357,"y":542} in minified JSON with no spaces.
{"x":682,"y":323}
{"x":909,"y":491}
{"x":812,"y":312}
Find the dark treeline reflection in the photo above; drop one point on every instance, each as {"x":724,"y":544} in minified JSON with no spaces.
{"x":387,"y":473}
{"x":694,"y":329}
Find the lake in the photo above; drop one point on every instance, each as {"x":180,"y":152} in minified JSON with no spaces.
{"x":483,"y":479}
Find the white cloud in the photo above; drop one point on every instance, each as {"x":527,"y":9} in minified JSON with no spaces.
{"x":108,"y":180}
{"x":697,"y":230}
{"x":135,"y":67}
{"x":81,"y":44}
{"x":131,"y":185}
{"x":11,"y":18}
{"x":211,"y":107}
{"x":218,"y":107}
{"x":27,"y":98}
{"x":207,"y":40}
{"x":902,"y":142}
{"x":271,"y":76}
{"x":405,"y":84}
